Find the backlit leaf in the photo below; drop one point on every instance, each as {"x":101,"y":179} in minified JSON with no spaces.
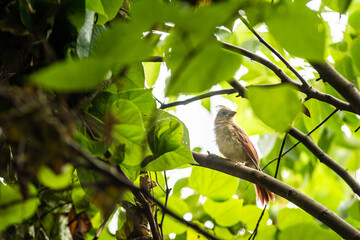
{"x":298,"y":29}
{"x":276,"y":106}
{"x":227,"y":213}
{"x":207,"y":182}
{"x":19,"y":209}
{"x":167,"y":143}
{"x":70,"y":76}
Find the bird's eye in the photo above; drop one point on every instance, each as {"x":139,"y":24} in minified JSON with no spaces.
{"x":223,"y":113}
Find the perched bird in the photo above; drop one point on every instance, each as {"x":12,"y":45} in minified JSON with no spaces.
{"x":235,"y":144}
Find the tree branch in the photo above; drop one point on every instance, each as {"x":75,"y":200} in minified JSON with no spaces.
{"x":276,"y":53}
{"x":312,"y":207}
{"x":121,"y":180}
{"x":199,"y":97}
{"x":308,"y":134}
{"x":346,"y":88}
{"x":325,"y":159}
{"x":310,"y":92}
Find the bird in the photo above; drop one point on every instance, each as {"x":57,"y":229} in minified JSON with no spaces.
{"x":234,"y":144}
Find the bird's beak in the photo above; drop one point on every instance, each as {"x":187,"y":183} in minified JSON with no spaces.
{"x":232,"y":113}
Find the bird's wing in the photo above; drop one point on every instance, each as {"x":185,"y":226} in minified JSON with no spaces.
{"x":244,"y":139}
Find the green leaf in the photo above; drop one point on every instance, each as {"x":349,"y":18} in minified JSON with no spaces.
{"x":83,"y":41}
{"x":207,"y":182}
{"x":355,"y":53}
{"x":78,"y":196}
{"x":18,"y":209}
{"x":152,"y":71}
{"x":179,"y":185}
{"x":225,"y":214}
{"x":323,"y":176}
{"x":134,"y":78}
{"x":71,"y":76}
{"x":75,"y":13}
{"x":206,"y":103}
{"x":223,"y":232}
{"x":56,"y":181}
{"x":354,"y":20}
{"x":298,"y":29}
{"x":110,"y":8}
{"x":88,"y":179}
{"x":95,"y":6}
{"x":340,"y":6}
{"x":303,"y":231}
{"x":199,"y":68}
{"x":179,"y":207}
{"x":122,"y":44}
{"x":250,"y":215}
{"x":345,"y":67}
{"x":144,"y":100}
{"x":291,"y":217}
{"x":354,"y":210}
{"x":340,"y":46}
{"x":192,"y":234}
{"x":247,"y":118}
{"x":130,"y":131}
{"x":280,"y":108}
{"x":169,"y":145}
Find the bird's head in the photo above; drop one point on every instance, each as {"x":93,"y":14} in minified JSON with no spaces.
{"x":224,"y":114}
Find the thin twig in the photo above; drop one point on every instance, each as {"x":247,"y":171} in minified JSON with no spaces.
{"x":326,"y":159}
{"x":280,"y":154}
{"x":273,"y":50}
{"x":310,"y":92}
{"x":167,"y":192}
{"x":357,"y":129}
{"x":329,"y":218}
{"x":199,"y":97}
{"x":121,"y":179}
{"x":54,"y":208}
{"x":102,"y":226}
{"x":308,"y":134}
{"x":254,"y":233}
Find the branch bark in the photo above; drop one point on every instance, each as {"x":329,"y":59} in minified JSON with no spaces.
{"x":325,"y":159}
{"x":309,"y":91}
{"x":320,"y":154}
{"x":346,"y":88}
{"x":276,"y":53}
{"x":199,"y":97}
{"x":312,"y":207}
{"x":121,"y":180}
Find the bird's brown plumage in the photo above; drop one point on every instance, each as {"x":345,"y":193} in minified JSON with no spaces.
{"x":235,"y":144}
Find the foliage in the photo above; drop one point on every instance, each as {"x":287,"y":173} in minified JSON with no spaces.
{"x":77,"y":109}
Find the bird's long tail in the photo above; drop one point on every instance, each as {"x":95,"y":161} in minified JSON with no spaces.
{"x":264,"y":195}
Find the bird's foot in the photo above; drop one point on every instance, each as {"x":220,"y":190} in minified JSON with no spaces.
{"x":240,"y":164}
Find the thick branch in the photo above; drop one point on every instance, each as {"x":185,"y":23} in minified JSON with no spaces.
{"x":121,"y":180}
{"x":308,"y":134}
{"x":325,"y":159}
{"x":346,"y":88}
{"x":312,"y":207}
{"x":310,"y":92}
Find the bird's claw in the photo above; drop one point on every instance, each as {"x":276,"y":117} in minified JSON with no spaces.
{"x":240,"y":164}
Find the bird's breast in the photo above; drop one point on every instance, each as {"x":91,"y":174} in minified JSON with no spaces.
{"x":228,"y":144}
